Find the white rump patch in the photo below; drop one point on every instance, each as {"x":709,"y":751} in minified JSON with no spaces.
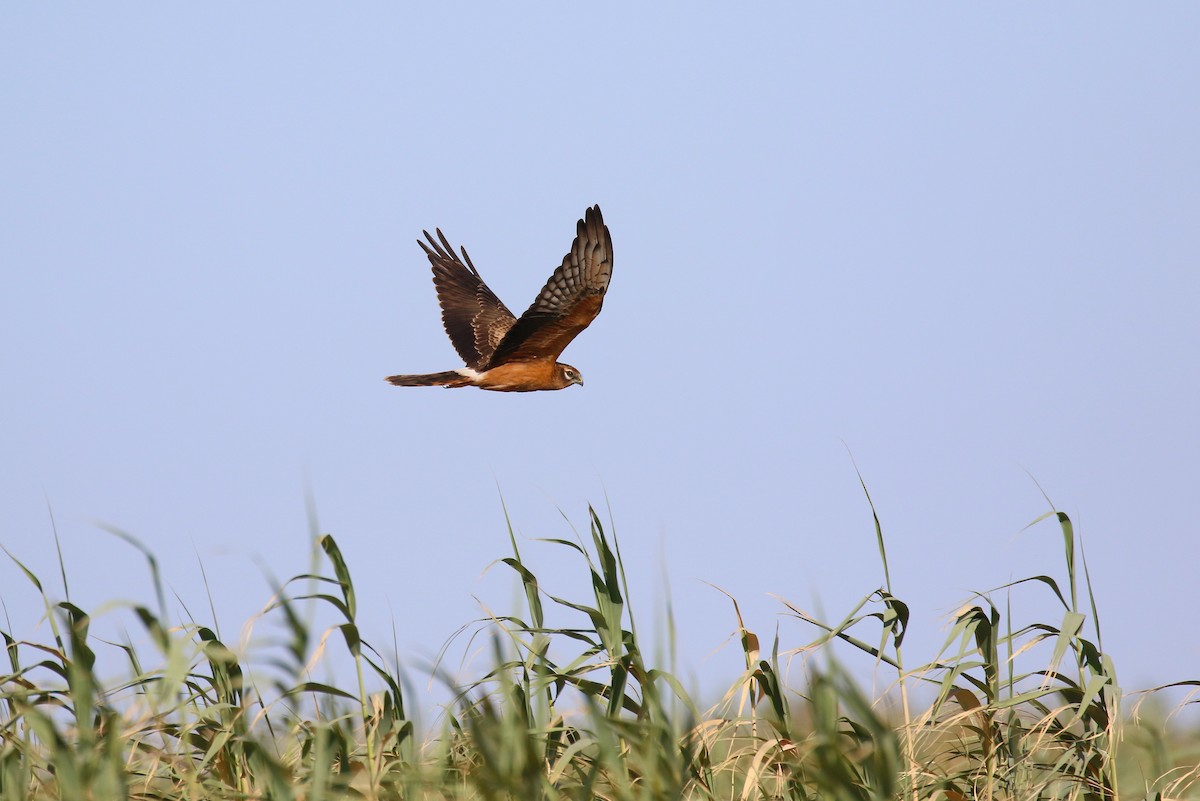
{"x":467,"y":372}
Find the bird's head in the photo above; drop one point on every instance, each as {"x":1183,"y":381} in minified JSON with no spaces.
{"x":570,"y":375}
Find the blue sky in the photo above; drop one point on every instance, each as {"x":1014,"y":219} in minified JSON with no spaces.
{"x":958,"y":242}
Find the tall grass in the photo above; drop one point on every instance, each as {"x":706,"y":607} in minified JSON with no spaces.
{"x":581,"y":712}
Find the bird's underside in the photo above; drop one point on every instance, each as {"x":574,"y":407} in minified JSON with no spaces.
{"x":513,"y":377}
{"x":505,"y":353}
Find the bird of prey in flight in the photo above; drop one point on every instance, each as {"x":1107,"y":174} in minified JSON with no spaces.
{"x":517,"y":354}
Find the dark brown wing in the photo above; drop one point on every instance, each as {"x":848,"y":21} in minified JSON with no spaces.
{"x":570,"y":300}
{"x":474,"y":317}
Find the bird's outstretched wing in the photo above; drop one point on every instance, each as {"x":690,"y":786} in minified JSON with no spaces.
{"x":475,"y":319}
{"x":570,"y":300}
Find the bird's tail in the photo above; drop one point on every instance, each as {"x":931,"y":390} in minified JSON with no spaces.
{"x":450,"y":378}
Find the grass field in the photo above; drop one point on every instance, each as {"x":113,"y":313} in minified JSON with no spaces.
{"x":581,"y":713}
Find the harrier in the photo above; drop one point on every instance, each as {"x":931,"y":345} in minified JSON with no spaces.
{"x":517,"y":354}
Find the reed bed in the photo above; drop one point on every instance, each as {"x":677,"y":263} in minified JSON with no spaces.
{"x":582,"y":713}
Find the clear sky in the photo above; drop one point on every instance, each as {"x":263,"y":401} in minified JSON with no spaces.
{"x":960,"y":241}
